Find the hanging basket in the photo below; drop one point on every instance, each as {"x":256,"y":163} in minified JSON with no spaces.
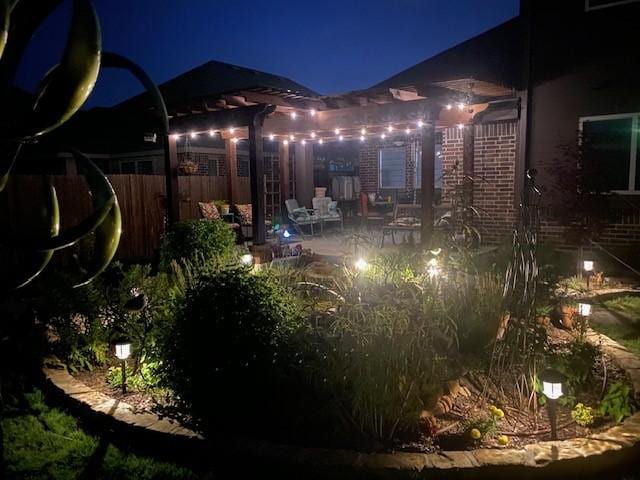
{"x":188,"y":167}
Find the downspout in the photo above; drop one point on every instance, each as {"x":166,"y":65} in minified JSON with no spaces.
{"x":525,"y":95}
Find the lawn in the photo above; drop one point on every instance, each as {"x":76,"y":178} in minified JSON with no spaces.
{"x":46,"y":443}
{"x":625,"y":332}
{"x":627,"y":304}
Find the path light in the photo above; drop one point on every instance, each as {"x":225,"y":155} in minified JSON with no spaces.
{"x":361,"y":264}
{"x":552,"y":389}
{"x":587,"y":265}
{"x":123,"y":351}
{"x":584,"y":309}
{"x":433,"y":269}
{"x":247,"y":259}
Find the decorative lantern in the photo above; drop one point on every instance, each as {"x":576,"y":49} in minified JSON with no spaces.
{"x":584,"y":309}
{"x":552,"y":388}
{"x":123,"y":350}
{"x":361,"y":264}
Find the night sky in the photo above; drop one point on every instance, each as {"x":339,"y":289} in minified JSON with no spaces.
{"x":329,"y":46}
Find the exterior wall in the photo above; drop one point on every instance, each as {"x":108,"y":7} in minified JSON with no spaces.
{"x":584,"y":64}
{"x":494,"y":174}
{"x":494,"y":161}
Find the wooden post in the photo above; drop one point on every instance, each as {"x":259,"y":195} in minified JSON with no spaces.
{"x":428,"y":179}
{"x":285,"y":177}
{"x":171,"y":179}
{"x":468,"y":138}
{"x":231,"y":165}
{"x":304,"y":174}
{"x":256,"y":180}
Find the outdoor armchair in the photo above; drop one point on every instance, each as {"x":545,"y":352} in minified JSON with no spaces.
{"x":300,"y":216}
{"x":327,"y":210}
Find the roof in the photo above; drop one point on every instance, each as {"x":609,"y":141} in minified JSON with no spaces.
{"x":215,"y":78}
{"x":493,"y":56}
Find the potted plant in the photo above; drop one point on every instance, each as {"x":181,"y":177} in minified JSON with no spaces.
{"x":188,"y":167}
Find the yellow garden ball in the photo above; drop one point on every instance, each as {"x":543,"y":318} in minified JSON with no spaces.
{"x":475,"y":434}
{"x":503,"y":440}
{"x":498,"y":413}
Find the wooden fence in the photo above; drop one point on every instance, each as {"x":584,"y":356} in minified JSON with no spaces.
{"x":141,"y":198}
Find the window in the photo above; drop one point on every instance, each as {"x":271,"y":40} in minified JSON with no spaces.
{"x":393,"y":167}
{"x":140,"y":167}
{"x":128,"y":168}
{"x":243,"y":165}
{"x":610,"y":145}
{"x":599,"y":4}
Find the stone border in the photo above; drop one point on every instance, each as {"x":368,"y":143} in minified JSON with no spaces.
{"x":595,"y":452}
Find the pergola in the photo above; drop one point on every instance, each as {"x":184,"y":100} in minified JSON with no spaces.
{"x":297,"y":121}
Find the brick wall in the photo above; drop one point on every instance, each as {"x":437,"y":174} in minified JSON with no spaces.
{"x":494,"y":174}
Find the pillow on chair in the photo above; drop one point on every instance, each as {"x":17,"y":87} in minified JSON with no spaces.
{"x":209,"y":211}
{"x":333,"y":209}
{"x":301,"y":213}
{"x":245,"y":213}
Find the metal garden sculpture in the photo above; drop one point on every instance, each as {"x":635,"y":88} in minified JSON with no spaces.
{"x":60,"y":94}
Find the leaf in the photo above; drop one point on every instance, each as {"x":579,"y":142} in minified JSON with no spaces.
{"x":104,"y":199}
{"x":5,"y":13}
{"x":51,"y":215}
{"x":67,"y":86}
{"x":6,"y":164}
{"x":107,"y":241}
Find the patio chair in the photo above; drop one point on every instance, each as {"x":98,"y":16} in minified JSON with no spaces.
{"x":301,"y":216}
{"x":366,"y":214}
{"x":327,"y":210}
{"x":406,"y":218}
{"x":244,"y":216}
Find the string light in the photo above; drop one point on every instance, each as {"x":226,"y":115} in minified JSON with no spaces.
{"x":211,"y":133}
{"x":420,"y":123}
{"x":304,"y":142}
{"x":341,"y":138}
{"x":313,"y":134}
{"x":449,"y":106}
{"x":286,"y":142}
{"x":390,"y":128}
{"x":272,"y":137}
{"x":313,"y":112}
{"x":293,"y":115}
{"x":460,"y":126}
{"x":337,"y":130}
{"x":383,"y":136}
{"x":175,"y":136}
{"x":320,"y":141}
{"x":231,"y":130}
{"x":363,"y":131}
{"x":234,"y":140}
{"x":461,"y":106}
{"x":362,"y":138}
{"x":193,"y":134}
{"x":407,"y":131}
{"x":292,"y":138}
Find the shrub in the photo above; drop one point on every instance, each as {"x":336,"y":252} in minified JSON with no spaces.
{"x":617,"y":402}
{"x":582,"y":415}
{"x":229,"y":355}
{"x":188,"y":239}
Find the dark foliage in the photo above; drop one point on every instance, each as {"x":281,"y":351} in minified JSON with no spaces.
{"x":193,"y":238}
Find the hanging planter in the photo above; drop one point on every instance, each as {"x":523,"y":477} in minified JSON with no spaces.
{"x":188,"y":167}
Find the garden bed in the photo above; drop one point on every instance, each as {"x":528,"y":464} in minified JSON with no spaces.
{"x":473,"y":399}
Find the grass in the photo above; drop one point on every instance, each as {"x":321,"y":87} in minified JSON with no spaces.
{"x":627,"y":332}
{"x":46,"y":443}
{"x":627,"y":304}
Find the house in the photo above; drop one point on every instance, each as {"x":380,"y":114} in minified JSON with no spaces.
{"x":491,"y":108}
{"x":572,"y":67}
